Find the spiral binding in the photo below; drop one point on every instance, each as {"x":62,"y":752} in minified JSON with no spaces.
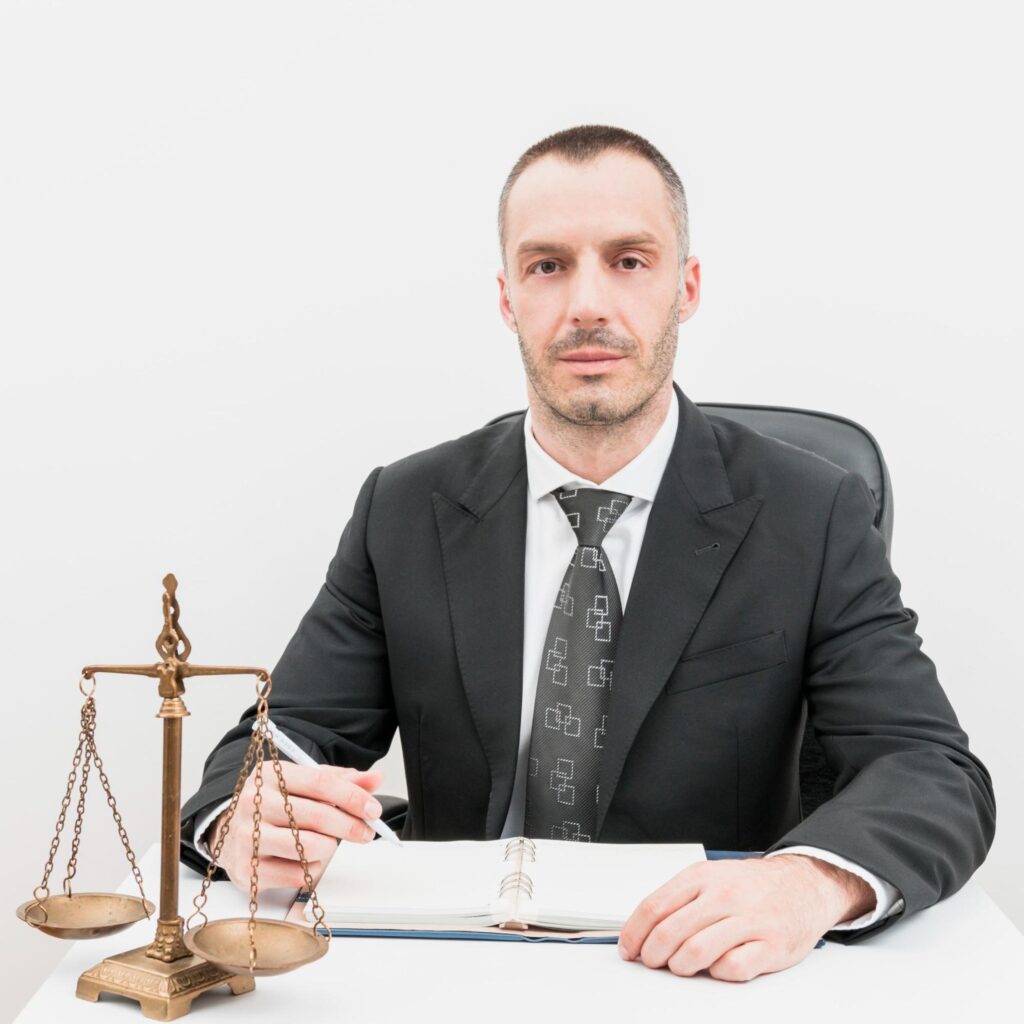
{"x":518,"y":881}
{"x":520,"y":845}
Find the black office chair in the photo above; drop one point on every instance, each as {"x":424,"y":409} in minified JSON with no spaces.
{"x":835,"y":438}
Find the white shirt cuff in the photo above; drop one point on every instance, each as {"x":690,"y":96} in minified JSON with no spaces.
{"x":888,"y":900}
{"x":202,"y":824}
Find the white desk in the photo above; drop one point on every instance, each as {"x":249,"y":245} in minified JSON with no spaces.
{"x":960,"y":960}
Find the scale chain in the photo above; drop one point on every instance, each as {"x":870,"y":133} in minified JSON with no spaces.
{"x":199,"y":902}
{"x":87,"y":747}
{"x":255,"y":758}
{"x":112,"y":804}
{"x":88,"y":725}
{"x":64,"y":805}
{"x":257,"y":817}
{"x":262,"y":736}
{"x":318,"y":912}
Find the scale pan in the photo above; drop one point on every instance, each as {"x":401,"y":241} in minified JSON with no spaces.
{"x":280,"y":945}
{"x":84,"y":915}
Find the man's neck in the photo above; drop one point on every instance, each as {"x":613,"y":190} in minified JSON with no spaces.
{"x":597,"y":452}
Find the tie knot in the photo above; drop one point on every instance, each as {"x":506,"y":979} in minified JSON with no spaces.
{"x":591,"y":512}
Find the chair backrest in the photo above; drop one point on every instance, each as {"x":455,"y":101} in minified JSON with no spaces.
{"x":835,"y":438}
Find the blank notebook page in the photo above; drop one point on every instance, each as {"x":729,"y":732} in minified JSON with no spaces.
{"x":603,"y":879}
{"x":461,"y":876}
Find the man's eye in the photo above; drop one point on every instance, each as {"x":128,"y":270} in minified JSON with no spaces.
{"x":544,"y":263}
{"x":545,"y":268}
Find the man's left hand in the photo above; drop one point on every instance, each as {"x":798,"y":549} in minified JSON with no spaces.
{"x":742,"y":918}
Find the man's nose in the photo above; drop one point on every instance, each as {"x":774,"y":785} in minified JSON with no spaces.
{"x":588,"y":299}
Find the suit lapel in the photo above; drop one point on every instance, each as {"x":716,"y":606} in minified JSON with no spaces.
{"x":483,"y":547}
{"x":694,"y":529}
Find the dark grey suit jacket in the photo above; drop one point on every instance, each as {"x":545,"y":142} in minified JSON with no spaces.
{"x":762,"y":584}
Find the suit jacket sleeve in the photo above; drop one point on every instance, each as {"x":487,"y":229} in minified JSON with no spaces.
{"x":912,"y":804}
{"x":331,"y":688}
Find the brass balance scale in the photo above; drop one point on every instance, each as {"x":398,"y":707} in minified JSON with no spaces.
{"x":182,"y":960}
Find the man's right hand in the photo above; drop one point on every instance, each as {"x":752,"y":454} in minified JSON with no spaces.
{"x":328,"y":803}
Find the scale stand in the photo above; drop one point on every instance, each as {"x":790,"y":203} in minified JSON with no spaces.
{"x":165,"y":976}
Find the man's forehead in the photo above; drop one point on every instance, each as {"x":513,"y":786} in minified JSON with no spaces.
{"x":616,"y":195}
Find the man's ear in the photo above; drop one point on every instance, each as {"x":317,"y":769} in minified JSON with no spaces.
{"x":505,"y":303}
{"x":687,"y":305}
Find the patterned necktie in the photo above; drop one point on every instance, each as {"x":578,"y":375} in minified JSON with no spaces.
{"x":570,"y":713}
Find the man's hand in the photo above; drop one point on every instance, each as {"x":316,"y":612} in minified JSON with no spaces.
{"x":742,"y":918}
{"x":328,"y":804}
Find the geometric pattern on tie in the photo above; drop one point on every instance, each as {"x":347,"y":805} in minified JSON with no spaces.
{"x":570,"y":715}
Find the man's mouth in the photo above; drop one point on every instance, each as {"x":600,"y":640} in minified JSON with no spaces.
{"x":589,"y":361}
{"x":591,"y":355}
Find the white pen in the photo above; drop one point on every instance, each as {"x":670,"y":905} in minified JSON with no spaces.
{"x":299,"y":756}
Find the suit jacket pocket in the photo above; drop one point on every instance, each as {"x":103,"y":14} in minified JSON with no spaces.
{"x":720,"y":663}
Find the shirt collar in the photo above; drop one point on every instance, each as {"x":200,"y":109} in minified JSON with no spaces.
{"x":640,"y":476}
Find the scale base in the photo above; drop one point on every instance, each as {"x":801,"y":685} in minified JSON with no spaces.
{"x":164,"y":991}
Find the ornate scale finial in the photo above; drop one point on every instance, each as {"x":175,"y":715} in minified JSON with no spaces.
{"x":172,"y":634}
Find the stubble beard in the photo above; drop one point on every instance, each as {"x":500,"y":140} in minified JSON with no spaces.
{"x":595,"y":403}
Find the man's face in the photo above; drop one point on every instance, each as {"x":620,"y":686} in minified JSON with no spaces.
{"x":593,"y":270}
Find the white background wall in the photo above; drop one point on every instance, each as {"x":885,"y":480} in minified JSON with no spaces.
{"x":247,"y":253}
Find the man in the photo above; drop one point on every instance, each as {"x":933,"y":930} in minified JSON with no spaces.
{"x":478,"y":597}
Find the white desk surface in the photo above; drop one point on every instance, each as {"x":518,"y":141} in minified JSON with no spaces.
{"x":960,"y":960}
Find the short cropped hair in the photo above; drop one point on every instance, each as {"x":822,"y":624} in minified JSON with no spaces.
{"x":585,"y":142}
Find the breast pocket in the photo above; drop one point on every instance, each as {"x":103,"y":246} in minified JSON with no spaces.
{"x":720,"y":663}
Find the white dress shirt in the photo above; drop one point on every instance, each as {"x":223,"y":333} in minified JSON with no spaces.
{"x":550,"y":543}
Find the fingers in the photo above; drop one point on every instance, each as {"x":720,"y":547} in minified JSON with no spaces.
{"x":345,"y":788}
{"x":369,"y":779}
{"x":703,"y":948}
{"x":745,"y":962}
{"x":311,"y":815}
{"x":274,"y":873}
{"x":675,"y":893}
{"x":279,"y":842}
{"x":679,"y":927}
{"x":279,"y":863}
{"x":725,"y":948}
{"x":328,"y":803}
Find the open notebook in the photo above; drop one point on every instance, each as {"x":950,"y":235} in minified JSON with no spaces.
{"x":504,"y":886}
